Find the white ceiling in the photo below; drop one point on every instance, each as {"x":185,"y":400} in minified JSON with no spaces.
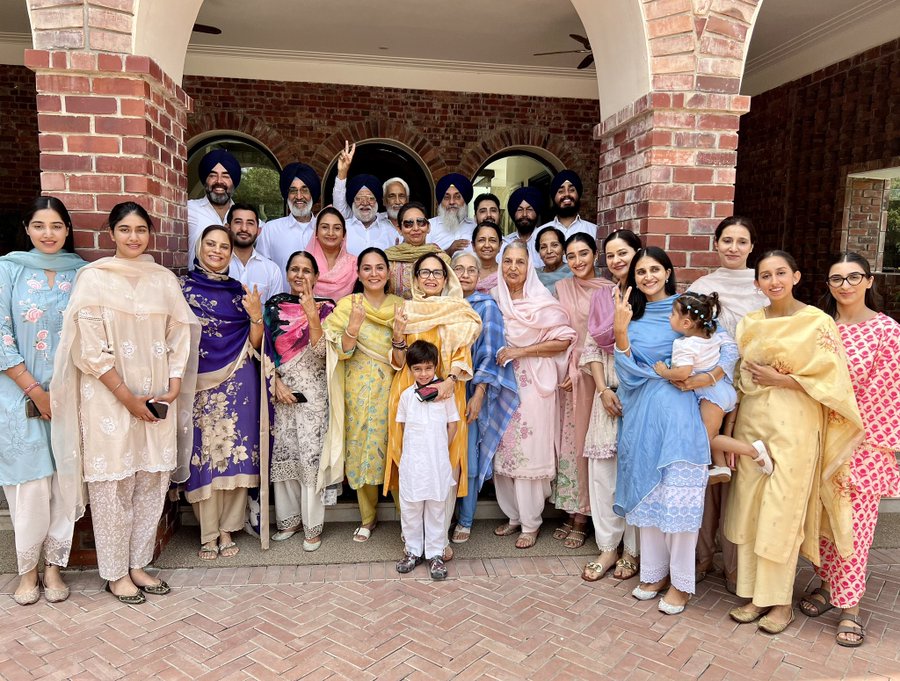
{"x":483,"y":45}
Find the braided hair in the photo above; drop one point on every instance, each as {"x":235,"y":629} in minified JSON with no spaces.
{"x":701,"y":309}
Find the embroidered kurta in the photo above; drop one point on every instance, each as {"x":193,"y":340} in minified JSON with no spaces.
{"x":31,"y":316}
{"x":810,"y":435}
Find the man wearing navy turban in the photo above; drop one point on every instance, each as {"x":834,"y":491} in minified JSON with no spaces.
{"x":220,"y":174}
{"x":524,"y":208}
{"x":357,"y":199}
{"x":452,"y":228}
{"x":300,"y":186}
{"x":565,"y":191}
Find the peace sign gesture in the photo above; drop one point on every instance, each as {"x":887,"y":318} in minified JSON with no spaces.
{"x":623,"y":313}
{"x":399,"y":323}
{"x":357,"y":314}
{"x":308,"y":300}
{"x":252,"y":302}
{"x":345,"y":158}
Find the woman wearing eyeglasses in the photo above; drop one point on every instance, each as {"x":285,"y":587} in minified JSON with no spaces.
{"x":872,"y":342}
{"x":414,"y":227}
{"x":439,"y":314}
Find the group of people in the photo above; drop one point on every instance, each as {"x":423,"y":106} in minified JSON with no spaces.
{"x":425,"y":367}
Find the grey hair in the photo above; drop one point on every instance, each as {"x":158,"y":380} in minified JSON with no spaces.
{"x":459,"y":255}
{"x":398,"y":180}
{"x":518,"y":243}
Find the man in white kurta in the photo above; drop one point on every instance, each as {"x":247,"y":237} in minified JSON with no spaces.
{"x":220,"y":173}
{"x":357,"y":200}
{"x":452,"y":228}
{"x":300,"y":186}
{"x":248,"y":266}
{"x":566,"y":190}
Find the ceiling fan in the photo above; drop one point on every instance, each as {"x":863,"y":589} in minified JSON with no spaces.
{"x":587,"y":61}
{"x":203,"y":28}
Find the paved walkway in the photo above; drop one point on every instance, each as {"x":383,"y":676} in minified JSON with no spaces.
{"x":519,"y":618}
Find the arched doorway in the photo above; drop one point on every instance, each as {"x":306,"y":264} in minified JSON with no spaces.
{"x":385,"y":159}
{"x":260,"y":172}
{"x":506,"y":171}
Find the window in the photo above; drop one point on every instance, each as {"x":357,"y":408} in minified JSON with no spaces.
{"x":891,"y":262}
{"x":260,"y":173}
{"x":503,"y":173}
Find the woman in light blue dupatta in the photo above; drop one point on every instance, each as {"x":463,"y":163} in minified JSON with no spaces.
{"x":492,"y":395}
{"x":663,"y":450}
{"x":35,"y":287}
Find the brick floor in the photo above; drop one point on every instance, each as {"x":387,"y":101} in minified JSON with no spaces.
{"x":523,"y":618}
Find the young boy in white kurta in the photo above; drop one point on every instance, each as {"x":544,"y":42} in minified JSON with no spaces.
{"x":425,"y":474}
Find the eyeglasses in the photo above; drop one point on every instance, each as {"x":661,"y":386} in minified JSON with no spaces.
{"x":460,"y":271}
{"x":854,"y":279}
{"x":304,"y":191}
{"x":364,"y":199}
{"x":421,"y":222}
{"x":430,"y":274}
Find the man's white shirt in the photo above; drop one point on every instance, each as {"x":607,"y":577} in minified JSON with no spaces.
{"x":381,"y":233}
{"x":282,"y":237}
{"x":578,"y":225}
{"x":443,"y":238}
{"x":259,"y":271}
{"x":201,"y":214}
{"x":532,"y":246}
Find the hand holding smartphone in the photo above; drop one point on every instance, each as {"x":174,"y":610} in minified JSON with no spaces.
{"x":158,"y":409}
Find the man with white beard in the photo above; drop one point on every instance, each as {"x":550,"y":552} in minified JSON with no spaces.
{"x":220,"y":173}
{"x":565,"y":189}
{"x":300,"y":187}
{"x":357,"y":200}
{"x":452,"y":228}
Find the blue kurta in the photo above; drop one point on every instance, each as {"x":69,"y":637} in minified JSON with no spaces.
{"x":663,"y":447}
{"x":31,"y":315}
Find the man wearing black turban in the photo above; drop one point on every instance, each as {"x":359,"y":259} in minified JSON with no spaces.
{"x":524,"y":209}
{"x":357,"y":199}
{"x":220,"y":174}
{"x":300,"y":186}
{"x":452,"y":228}
{"x":565,"y":190}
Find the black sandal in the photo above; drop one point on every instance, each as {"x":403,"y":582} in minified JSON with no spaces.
{"x":856,"y":628}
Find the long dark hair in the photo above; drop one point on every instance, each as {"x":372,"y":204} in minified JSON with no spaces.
{"x":122,"y":210}
{"x":637,"y":299}
{"x":776,"y":253}
{"x":54,"y":204}
{"x":358,"y":287}
{"x":873,"y":300}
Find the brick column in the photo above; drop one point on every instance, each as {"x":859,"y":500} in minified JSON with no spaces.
{"x":667,"y":160}
{"x":112,"y":129}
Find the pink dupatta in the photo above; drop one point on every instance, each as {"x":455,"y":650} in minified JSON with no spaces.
{"x":339,"y":280}
{"x":536,"y":318}
{"x":575,"y":295}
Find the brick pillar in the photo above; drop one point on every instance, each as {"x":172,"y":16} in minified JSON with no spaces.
{"x":865,"y":218}
{"x":667,"y":160}
{"x":112,"y":129}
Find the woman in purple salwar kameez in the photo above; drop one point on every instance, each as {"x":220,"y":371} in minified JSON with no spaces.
{"x":224,"y":461}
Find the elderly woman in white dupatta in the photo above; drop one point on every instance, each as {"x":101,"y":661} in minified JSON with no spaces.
{"x":538,"y":343}
{"x":738,"y":296}
{"x":439,"y":314}
{"x":129,"y":340}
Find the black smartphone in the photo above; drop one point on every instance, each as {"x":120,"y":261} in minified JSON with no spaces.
{"x":300,"y":397}
{"x":31,"y":409}
{"x":158,"y":409}
{"x":427,"y":393}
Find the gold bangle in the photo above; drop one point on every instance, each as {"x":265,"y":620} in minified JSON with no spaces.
{"x":350,"y":335}
{"x":121,"y":383}
{"x":24,"y":369}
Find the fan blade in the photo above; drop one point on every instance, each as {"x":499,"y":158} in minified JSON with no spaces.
{"x":540,"y":54}
{"x":580,"y":38}
{"x":587,"y":61}
{"x":203,"y":28}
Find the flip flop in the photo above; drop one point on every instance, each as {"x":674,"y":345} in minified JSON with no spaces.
{"x":230,"y":545}
{"x":208,"y":552}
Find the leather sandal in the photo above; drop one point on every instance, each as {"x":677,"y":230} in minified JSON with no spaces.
{"x":506,"y":530}
{"x":563,"y":530}
{"x":813,"y":607}
{"x":630,"y":569}
{"x":855,"y":628}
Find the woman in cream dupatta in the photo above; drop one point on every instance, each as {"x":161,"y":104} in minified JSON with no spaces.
{"x":359,"y":377}
{"x":439,"y":314}
{"x":128,"y":338}
{"x":798,"y":400}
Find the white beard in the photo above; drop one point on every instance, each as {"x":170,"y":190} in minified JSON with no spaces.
{"x":367,"y":217}
{"x":301,"y":213}
{"x":393,"y":212}
{"x":452,"y":219}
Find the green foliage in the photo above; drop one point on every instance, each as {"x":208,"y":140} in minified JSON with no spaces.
{"x":259,"y":187}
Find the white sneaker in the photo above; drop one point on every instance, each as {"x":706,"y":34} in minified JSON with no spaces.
{"x":764,"y":458}
{"x":719,"y":474}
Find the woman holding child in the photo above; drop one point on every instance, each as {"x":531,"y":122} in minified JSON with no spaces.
{"x":794,"y":382}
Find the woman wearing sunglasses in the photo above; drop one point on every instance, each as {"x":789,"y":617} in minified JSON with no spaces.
{"x":414,"y":228}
